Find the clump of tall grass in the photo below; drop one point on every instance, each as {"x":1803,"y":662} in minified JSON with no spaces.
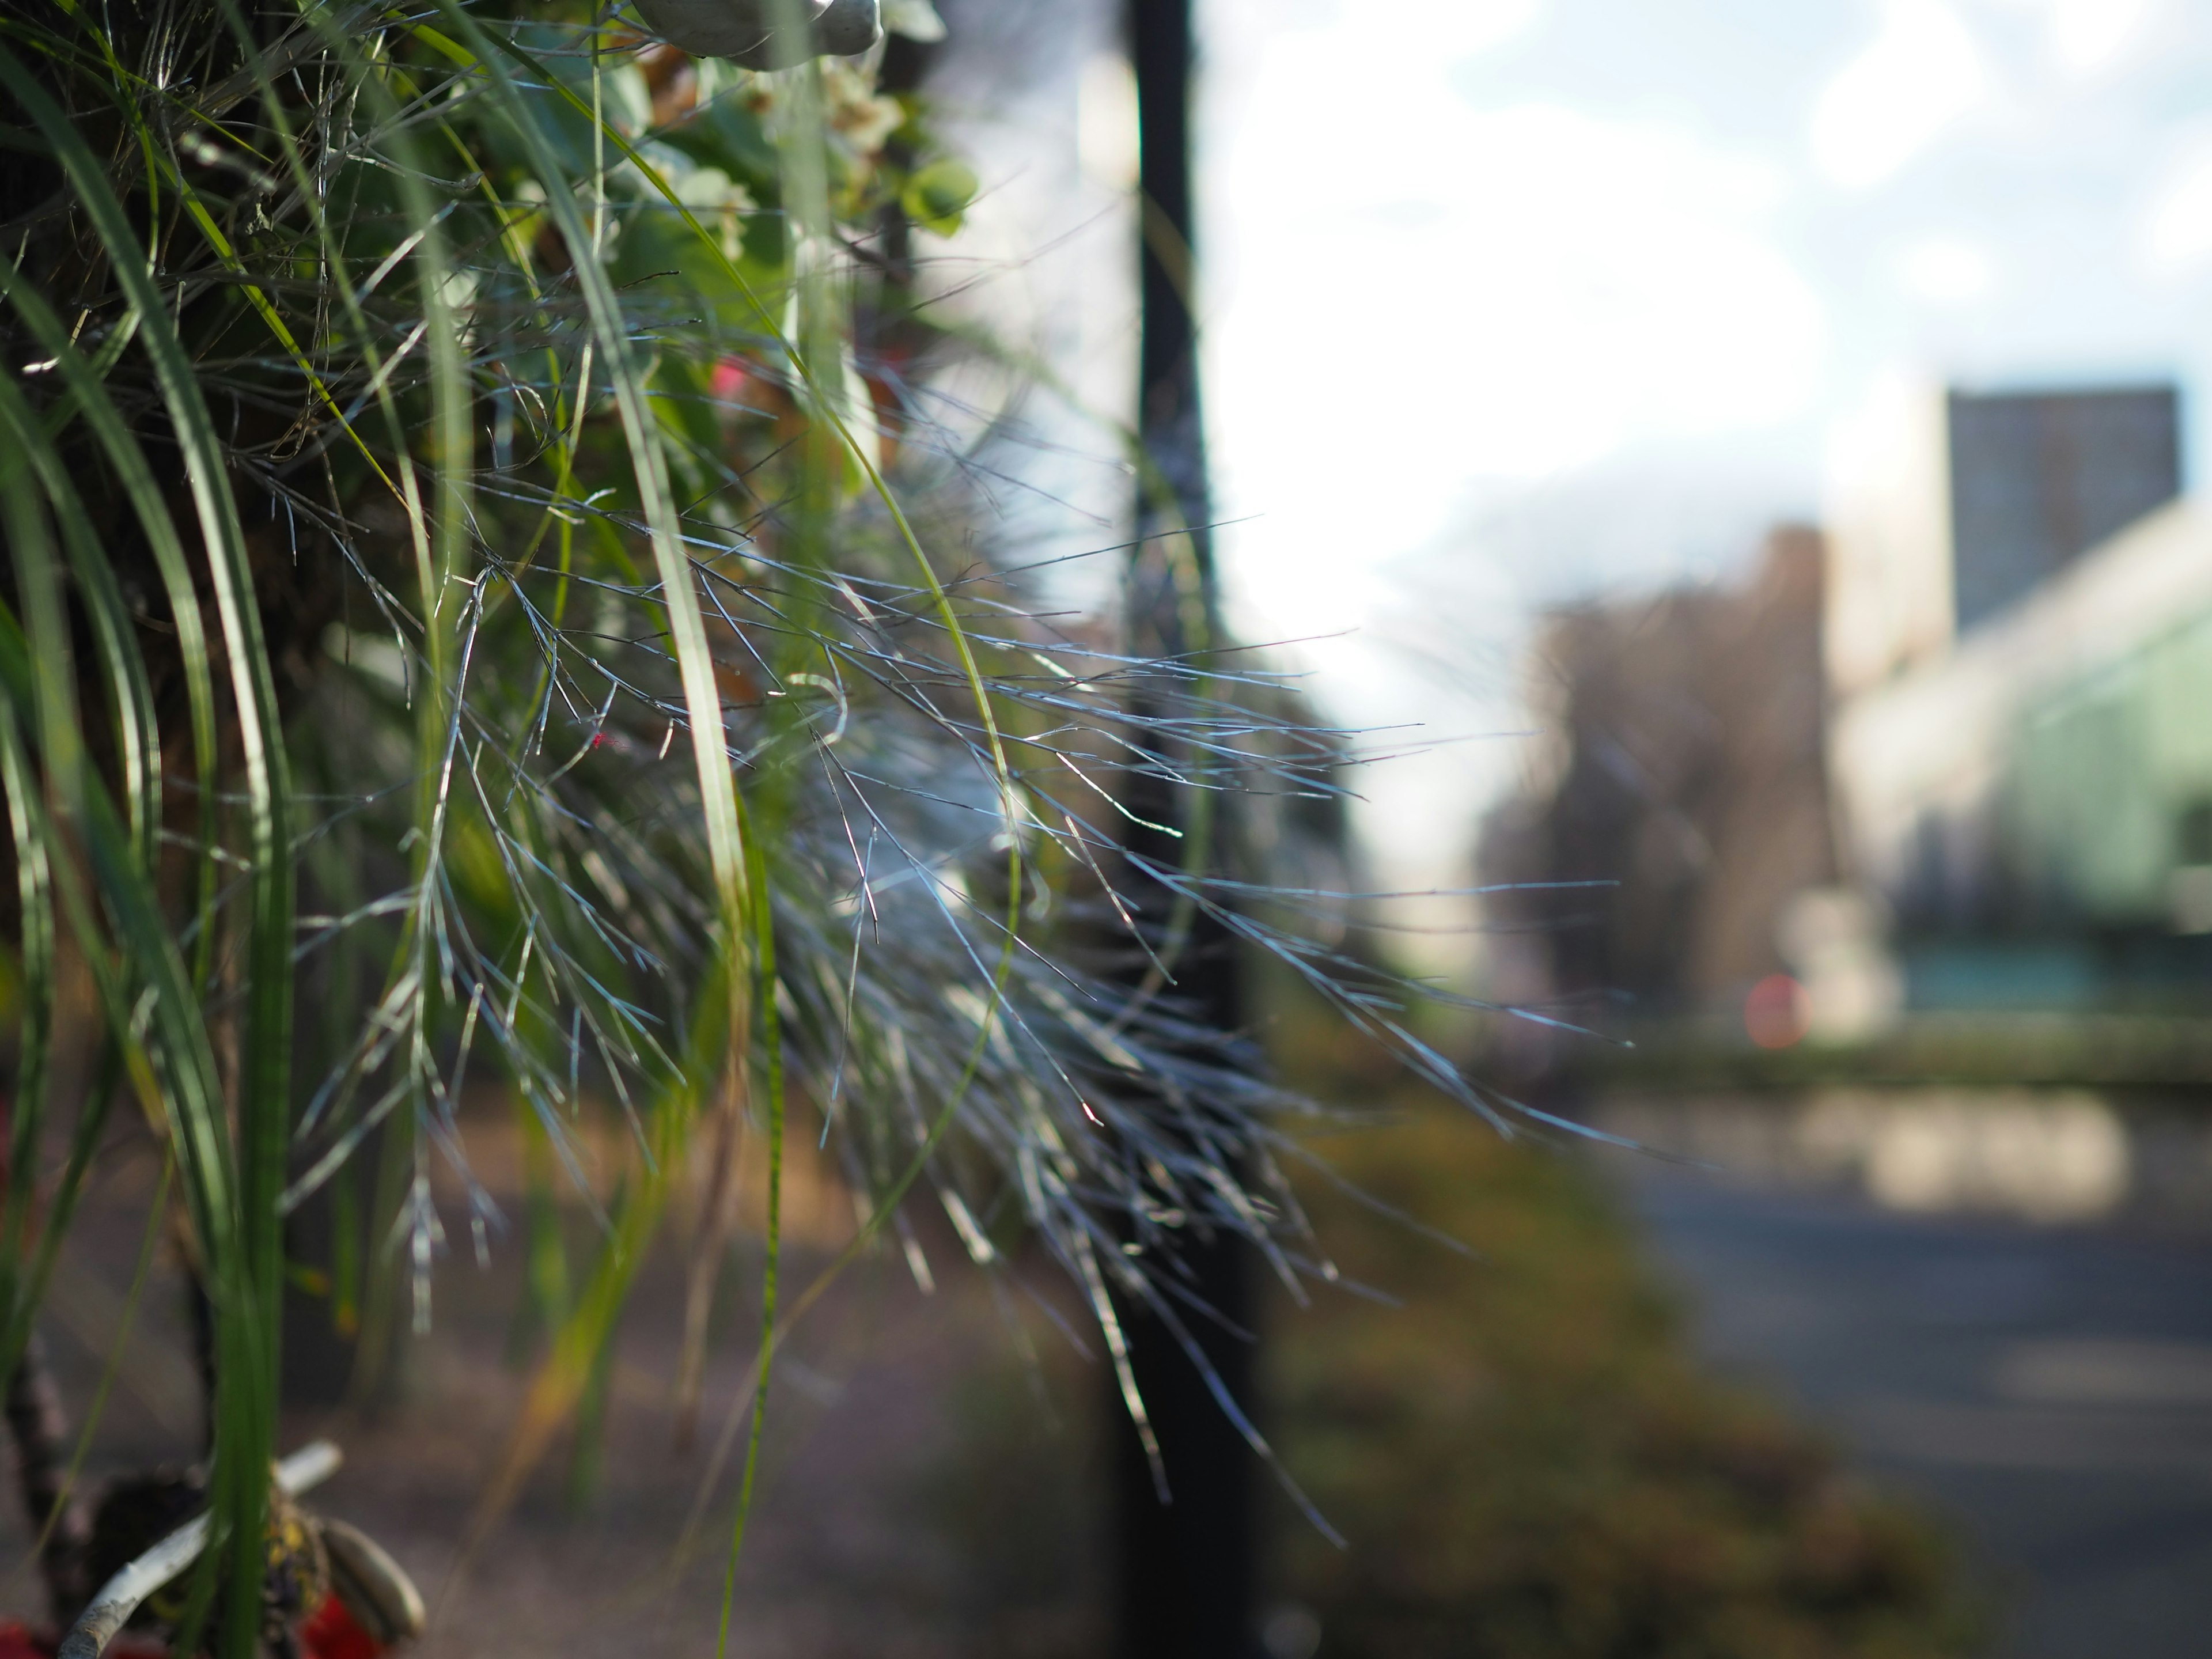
{"x":492,"y":601}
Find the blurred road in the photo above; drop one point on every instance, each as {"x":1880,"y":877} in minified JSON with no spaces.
{"x":2050,"y":1388}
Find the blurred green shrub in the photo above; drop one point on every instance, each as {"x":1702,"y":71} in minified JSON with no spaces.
{"x":1526,"y":1462}
{"x":1529,"y":1465}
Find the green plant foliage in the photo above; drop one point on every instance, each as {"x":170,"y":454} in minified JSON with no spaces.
{"x":1527,"y":1463}
{"x":491,"y":572}
{"x":1522,"y":1458}
{"x":939,"y":195}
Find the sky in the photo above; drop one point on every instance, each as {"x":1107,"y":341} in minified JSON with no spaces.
{"x":1508,"y":302}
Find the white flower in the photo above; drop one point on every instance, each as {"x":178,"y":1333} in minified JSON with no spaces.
{"x":917,"y":20}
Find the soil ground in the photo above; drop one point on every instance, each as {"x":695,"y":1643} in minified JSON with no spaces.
{"x":839,"y":1561}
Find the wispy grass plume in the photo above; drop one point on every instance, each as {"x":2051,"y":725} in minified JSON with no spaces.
{"x":486,"y":541}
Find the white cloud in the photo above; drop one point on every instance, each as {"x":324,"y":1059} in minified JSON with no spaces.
{"x":1922,"y":72}
{"x":2085,"y":39}
{"x":1422,"y":299}
{"x":1945,"y":269}
{"x":1458,"y":31}
{"x":2090,"y":36}
{"x":1450,"y":294}
{"x":2175,"y":239}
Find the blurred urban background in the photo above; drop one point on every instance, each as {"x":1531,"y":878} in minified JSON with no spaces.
{"x":1736,"y":466}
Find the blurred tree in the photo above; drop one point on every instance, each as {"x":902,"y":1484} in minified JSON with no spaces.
{"x":1680,"y":800}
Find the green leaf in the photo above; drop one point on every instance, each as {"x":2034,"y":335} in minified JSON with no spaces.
{"x":939,"y":196}
{"x":247,"y":1285}
{"x":727,"y":133}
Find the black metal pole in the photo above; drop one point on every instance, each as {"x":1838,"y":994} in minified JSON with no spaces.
{"x":1160,"y":49}
{"x":1187,"y":1565}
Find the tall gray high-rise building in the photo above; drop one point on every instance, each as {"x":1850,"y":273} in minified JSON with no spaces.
{"x":2039,"y":478}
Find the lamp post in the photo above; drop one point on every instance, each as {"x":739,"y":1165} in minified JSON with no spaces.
{"x":1186,"y":1557}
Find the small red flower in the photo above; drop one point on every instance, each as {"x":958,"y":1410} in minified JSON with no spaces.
{"x":331,"y":1633}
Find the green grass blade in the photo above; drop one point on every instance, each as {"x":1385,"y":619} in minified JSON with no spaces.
{"x":247,"y":1305}
{"x":90,"y":396}
{"x":138,"y":741}
{"x":687,"y":627}
{"x":941,"y":601}
{"x":36,"y":956}
{"x":771,"y":1267}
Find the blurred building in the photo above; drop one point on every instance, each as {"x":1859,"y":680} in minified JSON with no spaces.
{"x":1677,"y":801}
{"x":1957,"y":754}
{"x":1950,"y":507}
{"x":2020,"y":657}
